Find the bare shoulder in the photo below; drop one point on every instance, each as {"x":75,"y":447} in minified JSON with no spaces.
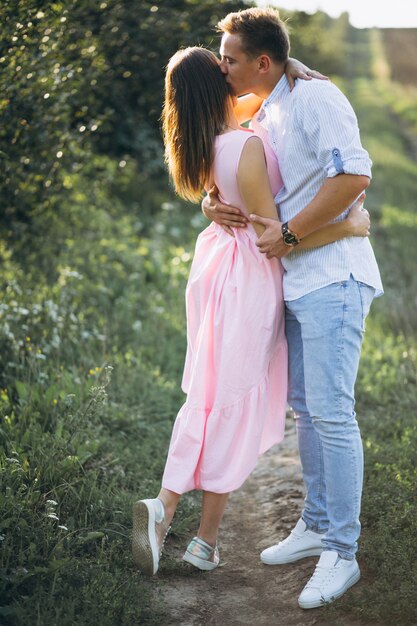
{"x":252,"y":152}
{"x":252,"y":163}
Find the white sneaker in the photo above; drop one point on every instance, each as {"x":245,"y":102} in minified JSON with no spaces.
{"x":298,"y":545}
{"x":202,"y":555}
{"x":149,"y":532}
{"x":332,"y":577}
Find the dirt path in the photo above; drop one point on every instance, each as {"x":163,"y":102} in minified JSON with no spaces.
{"x":244,"y":591}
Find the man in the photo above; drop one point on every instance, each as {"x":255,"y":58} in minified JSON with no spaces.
{"x":328,"y":291}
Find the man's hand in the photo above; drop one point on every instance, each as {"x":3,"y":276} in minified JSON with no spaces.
{"x":295,"y":69}
{"x":223,"y":214}
{"x":271,"y":242}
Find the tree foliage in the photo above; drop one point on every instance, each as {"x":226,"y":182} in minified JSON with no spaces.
{"x":82,"y":78}
{"x":85,"y":78}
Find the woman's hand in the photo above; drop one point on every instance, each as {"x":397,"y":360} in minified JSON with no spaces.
{"x":295,"y":69}
{"x":358,"y":222}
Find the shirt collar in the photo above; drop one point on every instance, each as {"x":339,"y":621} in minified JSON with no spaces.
{"x":278,"y":91}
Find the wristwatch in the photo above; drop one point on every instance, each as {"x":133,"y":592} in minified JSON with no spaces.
{"x":290,"y":238}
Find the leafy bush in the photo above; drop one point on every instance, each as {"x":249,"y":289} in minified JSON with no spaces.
{"x":92,"y":351}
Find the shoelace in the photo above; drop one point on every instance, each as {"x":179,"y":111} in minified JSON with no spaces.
{"x":321,"y":576}
{"x":291,"y":537}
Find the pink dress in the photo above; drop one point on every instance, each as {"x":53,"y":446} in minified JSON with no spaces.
{"x":235,"y":374}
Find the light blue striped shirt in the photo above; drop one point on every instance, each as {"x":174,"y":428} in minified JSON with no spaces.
{"x":314,"y":133}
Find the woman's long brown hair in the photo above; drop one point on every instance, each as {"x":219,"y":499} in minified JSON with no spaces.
{"x":197,"y":99}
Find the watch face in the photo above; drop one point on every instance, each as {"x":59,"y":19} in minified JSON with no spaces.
{"x":290,"y":239}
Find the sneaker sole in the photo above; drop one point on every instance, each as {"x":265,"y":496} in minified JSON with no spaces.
{"x":320,"y":603}
{"x":144,"y":548}
{"x":293,"y":557}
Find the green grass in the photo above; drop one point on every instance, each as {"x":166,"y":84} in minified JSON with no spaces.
{"x":386,"y":388}
{"x":92,"y":352}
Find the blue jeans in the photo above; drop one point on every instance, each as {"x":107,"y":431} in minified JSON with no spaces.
{"x":324,"y":331}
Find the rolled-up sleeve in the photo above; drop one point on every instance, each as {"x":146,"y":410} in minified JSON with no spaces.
{"x":331,"y":127}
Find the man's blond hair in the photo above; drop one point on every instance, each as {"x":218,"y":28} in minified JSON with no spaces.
{"x":261,"y":32}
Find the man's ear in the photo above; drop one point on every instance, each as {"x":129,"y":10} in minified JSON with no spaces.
{"x":264,"y":63}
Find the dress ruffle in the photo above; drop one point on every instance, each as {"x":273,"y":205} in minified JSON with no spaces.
{"x":217,"y":450}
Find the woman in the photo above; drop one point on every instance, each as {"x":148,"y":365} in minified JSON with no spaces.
{"x":235,"y":372}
